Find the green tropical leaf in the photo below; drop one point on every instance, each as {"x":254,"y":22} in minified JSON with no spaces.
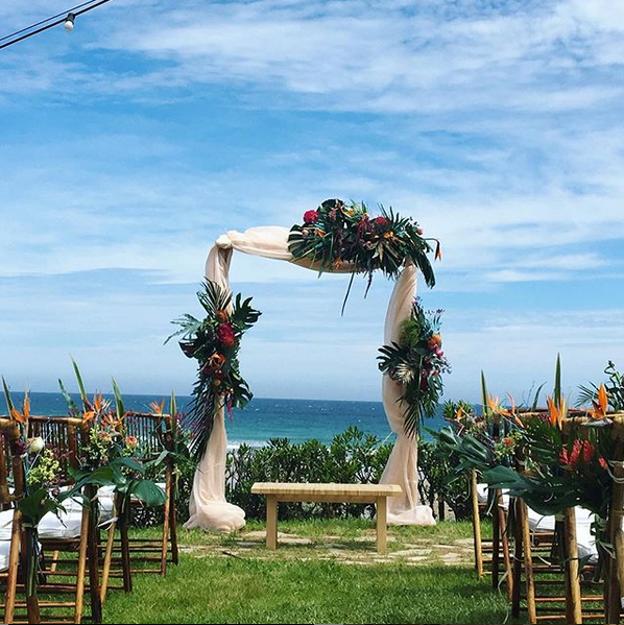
{"x":81,"y":386}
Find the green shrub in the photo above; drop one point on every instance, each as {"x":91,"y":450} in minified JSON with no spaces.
{"x":352,"y":458}
{"x":439,"y":479}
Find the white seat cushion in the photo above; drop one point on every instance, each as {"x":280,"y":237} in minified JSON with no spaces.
{"x":482,"y":495}
{"x":6,"y":524}
{"x":66,"y":525}
{"x":5,"y":547}
{"x":539,"y":521}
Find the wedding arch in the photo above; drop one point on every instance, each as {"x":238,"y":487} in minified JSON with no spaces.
{"x":307,"y":246}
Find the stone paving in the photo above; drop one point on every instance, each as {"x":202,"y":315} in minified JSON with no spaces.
{"x":359,"y":549}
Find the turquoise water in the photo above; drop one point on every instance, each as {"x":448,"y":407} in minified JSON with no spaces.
{"x":262,"y":419}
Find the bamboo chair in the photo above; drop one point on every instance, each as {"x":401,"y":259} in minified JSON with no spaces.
{"x":76,"y":533}
{"x":492,"y":555}
{"x":154,"y":433}
{"x":556,"y":587}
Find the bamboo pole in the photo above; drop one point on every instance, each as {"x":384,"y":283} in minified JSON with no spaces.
{"x":504,"y":529}
{"x":615,"y":579}
{"x":525,"y":533}
{"x":476,"y":524}
{"x":514,"y":505}
{"x":571,"y":568}
{"x":496,"y":539}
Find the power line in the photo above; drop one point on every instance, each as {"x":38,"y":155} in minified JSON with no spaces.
{"x":64,"y":13}
{"x":50,"y":22}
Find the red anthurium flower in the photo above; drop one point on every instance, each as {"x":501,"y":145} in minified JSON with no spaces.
{"x":310,"y":217}
{"x":225,"y":335}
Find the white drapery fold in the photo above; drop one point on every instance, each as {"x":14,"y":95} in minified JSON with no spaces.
{"x":402,"y":464}
{"x":208,"y":506}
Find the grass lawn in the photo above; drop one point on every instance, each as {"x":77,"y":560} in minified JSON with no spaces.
{"x":323,"y":572}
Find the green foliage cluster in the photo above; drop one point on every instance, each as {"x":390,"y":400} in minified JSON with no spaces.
{"x":351,"y":458}
{"x":439,"y":479}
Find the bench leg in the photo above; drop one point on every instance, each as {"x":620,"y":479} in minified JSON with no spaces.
{"x":271,"y":522}
{"x":381,"y":525}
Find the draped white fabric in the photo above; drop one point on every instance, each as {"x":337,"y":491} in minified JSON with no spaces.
{"x":208,"y":507}
{"x":402,"y":464}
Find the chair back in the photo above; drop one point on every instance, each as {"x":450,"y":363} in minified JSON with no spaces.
{"x":153,"y":432}
{"x":11,"y":465}
{"x":64,"y":436}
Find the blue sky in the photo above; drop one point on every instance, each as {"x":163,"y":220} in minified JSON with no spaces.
{"x":130,"y":144}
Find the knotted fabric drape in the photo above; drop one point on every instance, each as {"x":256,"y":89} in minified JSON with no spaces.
{"x":208,"y":506}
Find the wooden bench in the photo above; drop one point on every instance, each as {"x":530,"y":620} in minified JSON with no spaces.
{"x":277,"y":492}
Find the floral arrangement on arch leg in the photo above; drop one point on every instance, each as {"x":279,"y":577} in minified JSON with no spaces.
{"x":340,"y":236}
{"x":214,"y":342}
{"x":417,"y":362}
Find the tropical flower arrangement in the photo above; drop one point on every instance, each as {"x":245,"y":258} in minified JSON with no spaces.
{"x":417,"y":362}
{"x":108,"y":455}
{"x":554,"y":458}
{"x":339,"y":236}
{"x":214,"y":342}
{"x":42,"y":494}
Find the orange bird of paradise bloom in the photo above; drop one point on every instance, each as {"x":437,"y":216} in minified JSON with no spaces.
{"x":494,"y":406}
{"x":512,"y":413}
{"x":97,"y":406}
{"x":23,"y":416}
{"x":460,"y":413}
{"x":157,"y":408}
{"x":556,"y":413}
{"x":600,"y":404}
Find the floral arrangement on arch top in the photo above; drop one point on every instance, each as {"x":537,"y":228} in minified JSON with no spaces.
{"x":344,"y":237}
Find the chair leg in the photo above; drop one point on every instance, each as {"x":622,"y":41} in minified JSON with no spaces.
{"x":173,"y":529}
{"x":164,"y":550}
{"x":93,"y":549}
{"x":82,"y":565}
{"x":517,"y":559}
{"x":125,"y":550}
{"x":574,"y":610}
{"x":476,"y":524}
{"x":108,"y":556}
{"x":14,"y":553}
{"x":502,"y":516}
{"x":528,"y":563}
{"x":496,"y":540}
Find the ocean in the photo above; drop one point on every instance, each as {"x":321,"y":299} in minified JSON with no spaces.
{"x":263,"y":418}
